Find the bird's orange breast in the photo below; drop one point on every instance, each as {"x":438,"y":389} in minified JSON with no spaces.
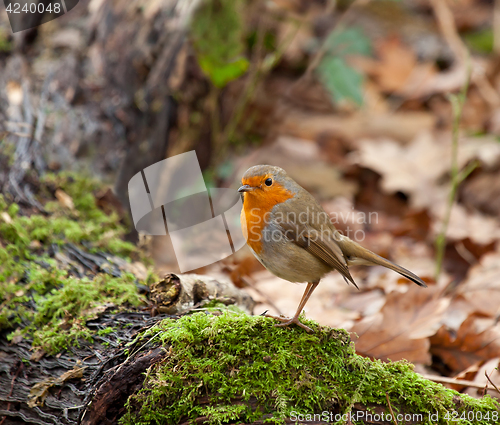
{"x":257,"y":206}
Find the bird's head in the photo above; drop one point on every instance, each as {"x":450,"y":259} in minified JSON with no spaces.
{"x":266,"y":185}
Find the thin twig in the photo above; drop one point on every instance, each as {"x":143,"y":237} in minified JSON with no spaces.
{"x":447,"y":25}
{"x":450,"y":33}
{"x":465,"y":253}
{"x":12,"y":389}
{"x":491,"y":382}
{"x":390,"y":409}
{"x":21,"y":135}
{"x":18,"y":124}
{"x":453,"y":381}
{"x":349,"y":422}
{"x":40,"y":124}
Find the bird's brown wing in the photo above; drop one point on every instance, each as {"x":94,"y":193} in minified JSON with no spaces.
{"x":321,"y":246}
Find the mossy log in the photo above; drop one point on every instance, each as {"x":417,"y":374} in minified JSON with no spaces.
{"x":230,"y":367}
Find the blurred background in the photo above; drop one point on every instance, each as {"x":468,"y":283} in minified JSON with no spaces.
{"x":388,"y":112}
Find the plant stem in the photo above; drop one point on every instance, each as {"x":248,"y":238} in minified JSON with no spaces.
{"x":457,"y":176}
{"x":217,"y":143}
{"x":257,"y":71}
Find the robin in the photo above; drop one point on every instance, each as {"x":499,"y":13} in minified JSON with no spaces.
{"x":293,"y":237}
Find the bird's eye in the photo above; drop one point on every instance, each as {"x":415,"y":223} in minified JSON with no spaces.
{"x":268,"y":182}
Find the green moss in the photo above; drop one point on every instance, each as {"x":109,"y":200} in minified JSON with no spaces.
{"x":37,"y":298}
{"x":106,"y":331}
{"x":85,"y":223}
{"x":61,"y":315}
{"x":63,"y":304}
{"x":241,"y":361}
{"x":217,"y":36}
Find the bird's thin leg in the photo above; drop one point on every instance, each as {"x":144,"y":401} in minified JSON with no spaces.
{"x":311,"y":286}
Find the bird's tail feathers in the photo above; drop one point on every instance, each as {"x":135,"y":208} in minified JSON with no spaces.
{"x":362,"y":256}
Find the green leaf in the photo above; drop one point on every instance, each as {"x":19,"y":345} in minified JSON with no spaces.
{"x":217,"y":36}
{"x":350,"y":41}
{"x":221,"y":73}
{"x":341,"y":80}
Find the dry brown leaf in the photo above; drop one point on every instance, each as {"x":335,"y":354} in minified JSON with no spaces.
{"x":378,"y":341}
{"x":403,"y":126}
{"x":453,"y":79}
{"x":482,"y":286}
{"x":464,"y":224}
{"x":456,"y":314}
{"x":34,"y":244}
{"x":70,"y":38}
{"x":14,"y":93}
{"x":37,"y":355}
{"x":396,"y":63}
{"x":492,"y":368}
{"x":403,"y":327}
{"x":477,"y":339}
{"x":420,"y":77}
{"x":64,"y":199}
{"x":138,"y":269}
{"x":482,"y":193}
{"x":94,"y":312}
{"x":416,"y":168}
{"x":396,"y":70}
{"x":367,"y":303}
{"x":6,"y":217}
{"x":40,"y":391}
{"x":412,"y":169}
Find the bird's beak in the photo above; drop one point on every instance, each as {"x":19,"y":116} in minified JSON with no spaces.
{"x":245,"y":188}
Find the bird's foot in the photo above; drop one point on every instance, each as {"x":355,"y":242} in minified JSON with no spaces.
{"x":286,"y":321}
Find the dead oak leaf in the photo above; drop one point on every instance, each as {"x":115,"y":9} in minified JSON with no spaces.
{"x":40,"y":390}
{"x":416,"y":167}
{"x":397,"y":69}
{"x":403,"y":327}
{"x":395,"y":65}
{"x":64,"y":199}
{"x":492,"y":369}
{"x":481,"y":288}
{"x":412,"y":169}
{"x":456,"y":314}
{"x":465,"y":224}
{"x":478,"y":339}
